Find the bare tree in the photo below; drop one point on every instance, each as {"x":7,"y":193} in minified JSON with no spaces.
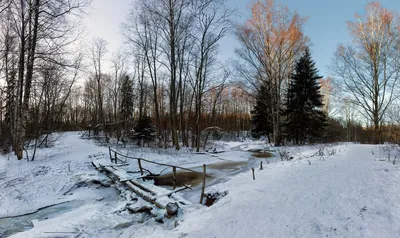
{"x":97,"y":53}
{"x":119,"y":70}
{"x":369,"y":69}
{"x":174,"y":17}
{"x":142,"y":31}
{"x":215,"y":94}
{"x":43,"y":31}
{"x":212,"y":22}
{"x":271,"y":41}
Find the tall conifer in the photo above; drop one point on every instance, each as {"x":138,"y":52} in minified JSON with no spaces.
{"x":305,"y":120}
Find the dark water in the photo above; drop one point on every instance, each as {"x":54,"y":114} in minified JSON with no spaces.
{"x":13,"y":225}
{"x":215,"y":172}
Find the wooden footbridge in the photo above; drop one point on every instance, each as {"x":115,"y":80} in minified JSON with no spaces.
{"x":140,"y":182}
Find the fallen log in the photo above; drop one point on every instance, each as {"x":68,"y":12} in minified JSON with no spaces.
{"x":142,"y":187}
{"x":120,"y":174}
{"x":97,"y":165}
{"x":175,"y":191}
{"x":146,"y":197}
{"x":139,"y":209}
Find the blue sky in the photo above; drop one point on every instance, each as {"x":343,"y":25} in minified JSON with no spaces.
{"x":326,"y":26}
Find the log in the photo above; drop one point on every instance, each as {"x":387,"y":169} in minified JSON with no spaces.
{"x":117,"y":173}
{"x":146,"y":197}
{"x":139,"y":209}
{"x":175,"y":191}
{"x":137,"y":184}
{"x":97,"y":165}
{"x":172,"y":209}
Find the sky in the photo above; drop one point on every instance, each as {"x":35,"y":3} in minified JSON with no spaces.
{"x":326,"y":25}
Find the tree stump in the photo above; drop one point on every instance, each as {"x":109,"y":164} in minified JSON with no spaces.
{"x":172,"y":209}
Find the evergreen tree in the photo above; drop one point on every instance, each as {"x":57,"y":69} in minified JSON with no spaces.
{"x":261,"y":117}
{"x":127,"y":103}
{"x":305,"y":118}
{"x":144,"y":130}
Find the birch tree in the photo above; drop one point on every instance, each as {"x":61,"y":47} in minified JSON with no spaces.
{"x":43,"y":31}
{"x":368,"y":69}
{"x":271,"y":40}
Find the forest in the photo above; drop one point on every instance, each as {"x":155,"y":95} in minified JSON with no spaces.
{"x":199,"y":118}
{"x":168,"y":88}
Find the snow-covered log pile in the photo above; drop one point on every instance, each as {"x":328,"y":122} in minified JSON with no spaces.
{"x":142,"y":196}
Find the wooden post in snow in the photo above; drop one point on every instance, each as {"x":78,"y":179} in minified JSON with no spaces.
{"x":109,"y":151}
{"x":254,"y":177}
{"x":140,"y":167}
{"x":204,"y":184}
{"x":174,"y":182}
{"x":261,"y":168}
{"x":116,"y":158}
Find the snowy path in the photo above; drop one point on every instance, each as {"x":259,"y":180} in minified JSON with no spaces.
{"x":349,"y":195}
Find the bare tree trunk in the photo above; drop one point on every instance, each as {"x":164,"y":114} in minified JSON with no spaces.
{"x":172,"y":96}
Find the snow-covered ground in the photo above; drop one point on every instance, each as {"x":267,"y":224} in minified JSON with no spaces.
{"x":350,"y":193}
{"x":353,"y":194}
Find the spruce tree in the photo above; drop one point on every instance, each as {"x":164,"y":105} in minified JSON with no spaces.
{"x":260,"y":116}
{"x":144,"y":131}
{"x":305,"y":118}
{"x":127,"y":103}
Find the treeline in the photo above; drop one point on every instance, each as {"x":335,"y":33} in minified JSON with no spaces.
{"x":170,"y":72}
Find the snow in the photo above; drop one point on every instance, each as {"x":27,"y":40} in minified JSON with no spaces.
{"x":350,"y":193}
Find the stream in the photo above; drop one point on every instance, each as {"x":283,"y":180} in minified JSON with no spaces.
{"x":216,"y":173}
{"x":15,"y":224}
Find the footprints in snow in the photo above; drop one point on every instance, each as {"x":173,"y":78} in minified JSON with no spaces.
{"x":328,"y":231}
{"x":362,"y":211}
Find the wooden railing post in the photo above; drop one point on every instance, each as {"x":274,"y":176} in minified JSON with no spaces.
{"x":174,"y":182}
{"x":204,"y":184}
{"x":261,"y":168}
{"x":140,"y":167}
{"x":109,"y":151}
{"x":116,"y":158}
